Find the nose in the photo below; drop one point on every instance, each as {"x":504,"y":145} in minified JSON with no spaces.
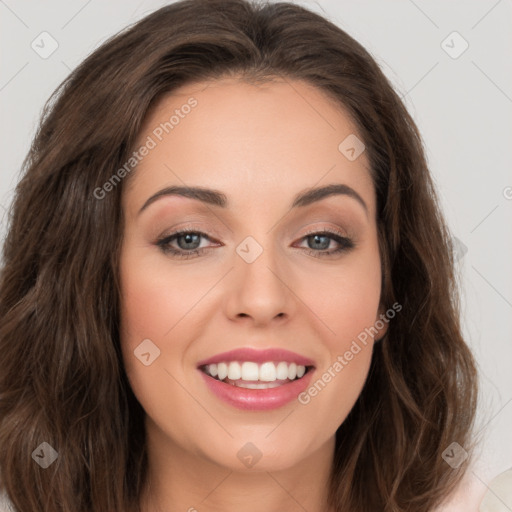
{"x":261,"y":291}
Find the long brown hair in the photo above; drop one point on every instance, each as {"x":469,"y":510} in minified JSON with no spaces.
{"x":62,"y":379}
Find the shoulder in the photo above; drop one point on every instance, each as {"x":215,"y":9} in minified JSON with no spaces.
{"x":498,"y":497}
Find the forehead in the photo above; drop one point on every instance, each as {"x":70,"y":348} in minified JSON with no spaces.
{"x":269,"y":139}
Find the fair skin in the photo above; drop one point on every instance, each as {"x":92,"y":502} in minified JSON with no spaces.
{"x":260,"y":145}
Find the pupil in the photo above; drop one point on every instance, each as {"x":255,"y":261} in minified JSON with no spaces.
{"x":325,"y":245}
{"x":188,"y":240}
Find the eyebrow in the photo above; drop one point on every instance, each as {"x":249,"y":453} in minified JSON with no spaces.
{"x":218,"y":198}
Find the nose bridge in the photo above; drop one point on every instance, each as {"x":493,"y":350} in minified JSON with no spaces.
{"x":259,"y":289}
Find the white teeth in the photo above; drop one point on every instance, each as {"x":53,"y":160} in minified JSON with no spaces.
{"x":222,"y":369}
{"x":250,"y":371}
{"x":282,"y":371}
{"x":267,"y":372}
{"x":234,"y":371}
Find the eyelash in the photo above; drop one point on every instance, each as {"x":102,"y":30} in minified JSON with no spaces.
{"x":163,"y":243}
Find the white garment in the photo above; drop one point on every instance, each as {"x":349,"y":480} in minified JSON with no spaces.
{"x":5,"y":504}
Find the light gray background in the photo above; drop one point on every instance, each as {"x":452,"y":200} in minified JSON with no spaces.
{"x":463,"y":107}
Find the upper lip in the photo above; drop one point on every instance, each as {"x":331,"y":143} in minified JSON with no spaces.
{"x":258,"y":356}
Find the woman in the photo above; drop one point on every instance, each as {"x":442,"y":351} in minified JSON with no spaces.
{"x":227,"y":283}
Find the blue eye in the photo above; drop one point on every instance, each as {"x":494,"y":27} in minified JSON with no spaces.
{"x":323,"y":239}
{"x":189,"y":244}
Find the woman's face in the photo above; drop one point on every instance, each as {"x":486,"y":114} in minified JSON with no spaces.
{"x":260,"y":282}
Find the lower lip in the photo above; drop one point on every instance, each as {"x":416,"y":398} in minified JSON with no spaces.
{"x":258,"y":399}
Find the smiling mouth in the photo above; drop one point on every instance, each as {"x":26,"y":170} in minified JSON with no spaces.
{"x":252,"y":375}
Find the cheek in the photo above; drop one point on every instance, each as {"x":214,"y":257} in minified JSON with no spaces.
{"x":347,"y":302}
{"x":150,"y":308}
{"x":344,"y":297}
{"x":153,"y":307}
{"x":154,"y":299}
{"x":339,"y":380}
